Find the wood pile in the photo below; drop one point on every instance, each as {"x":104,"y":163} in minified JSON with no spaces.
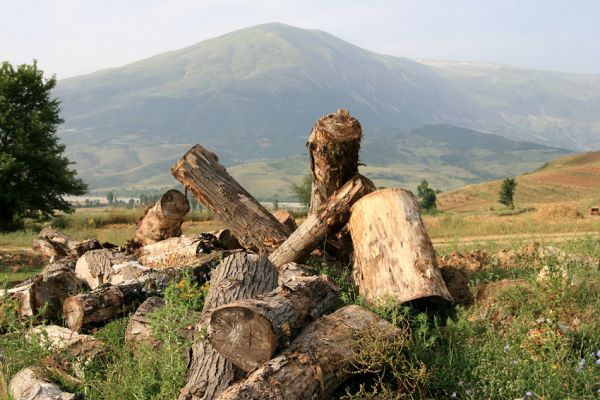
{"x":269,"y":327}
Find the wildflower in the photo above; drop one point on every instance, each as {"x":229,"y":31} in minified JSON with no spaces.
{"x":528,"y":394}
{"x":453,"y":395}
{"x":460,"y":383}
{"x":598,"y":361}
{"x":581,"y":364}
{"x":598,"y":354}
{"x":506,"y":347}
{"x":514,"y":362}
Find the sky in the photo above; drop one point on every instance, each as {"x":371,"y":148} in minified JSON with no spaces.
{"x":70,"y":37}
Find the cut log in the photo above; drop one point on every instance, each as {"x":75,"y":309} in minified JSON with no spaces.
{"x":42,"y":295}
{"x":164,"y":219}
{"x":55,"y":245}
{"x":249,"y":332}
{"x":333,"y":145}
{"x":332,"y":216}
{"x":393,"y":255}
{"x":98,"y":267}
{"x":227,"y":240}
{"x":181,"y":251}
{"x":254,"y":226}
{"x":238,"y":277}
{"x":107,"y":302}
{"x":318,"y":361}
{"x":30,"y":384}
{"x":286,"y":219}
{"x":139,"y":330}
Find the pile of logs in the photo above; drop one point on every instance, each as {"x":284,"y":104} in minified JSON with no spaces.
{"x":270,"y":328}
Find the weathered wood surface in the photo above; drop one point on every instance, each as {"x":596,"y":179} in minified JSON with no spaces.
{"x":42,"y":295}
{"x":163,"y":220}
{"x":30,"y":384}
{"x":98,"y":267}
{"x":291,"y":271}
{"x":249,"y":332}
{"x":255,"y":227}
{"x":330,"y":218}
{"x":55,"y":245}
{"x":393,"y":255}
{"x":180,"y":251}
{"x":286,"y":219}
{"x":317,"y":362}
{"x":238,"y":277}
{"x":107,"y":302}
{"x":333,"y":145}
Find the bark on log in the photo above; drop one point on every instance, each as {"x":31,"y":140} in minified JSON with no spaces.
{"x":107,"y":302}
{"x":98,"y":267}
{"x":318,"y":361}
{"x":164,"y":219}
{"x":333,"y":145}
{"x":238,"y":277}
{"x":393,"y":255}
{"x":291,"y":271}
{"x":330,"y":218}
{"x":30,"y":384}
{"x":286,"y":219}
{"x":249,"y":332}
{"x":254,"y":226}
{"x":181,"y":251}
{"x":43,"y":292}
{"x":55,"y":245}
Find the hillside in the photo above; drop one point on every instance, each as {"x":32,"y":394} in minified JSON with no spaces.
{"x":573,"y":179}
{"x":253,"y":95}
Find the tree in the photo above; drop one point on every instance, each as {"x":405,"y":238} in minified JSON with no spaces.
{"x":303,"y":190}
{"x":34,"y":174}
{"x":507,"y":192}
{"x":110,"y":197}
{"x":427,"y":196}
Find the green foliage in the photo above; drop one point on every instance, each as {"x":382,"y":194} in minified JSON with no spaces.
{"x":303,"y":190}
{"x":34,"y":174}
{"x":110,"y":197}
{"x":507,"y":192}
{"x":427,"y":196}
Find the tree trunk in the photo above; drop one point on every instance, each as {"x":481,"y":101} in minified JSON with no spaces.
{"x":181,"y":251}
{"x":44,"y":293}
{"x":238,"y":277}
{"x":286,"y":219}
{"x":330,"y":218}
{"x":30,"y":384}
{"x":164,"y":219}
{"x":55,"y":245}
{"x":318,"y":361}
{"x":107,"y":302}
{"x":98,"y":267}
{"x":333,"y":145}
{"x":254,"y":226}
{"x":393,"y":255}
{"x":249,"y":332}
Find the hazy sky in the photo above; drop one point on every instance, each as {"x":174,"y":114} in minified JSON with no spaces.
{"x":70,"y":37}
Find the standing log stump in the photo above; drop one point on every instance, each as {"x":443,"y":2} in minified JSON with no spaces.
{"x":249,"y":332}
{"x":164,"y":219}
{"x":393,"y":255}
{"x":240,"y":276}
{"x":333,"y":145}
{"x":317,"y":362}
{"x":254,"y":226}
{"x":330,"y":218}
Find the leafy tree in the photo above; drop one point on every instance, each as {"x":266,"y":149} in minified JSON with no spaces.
{"x":507,"y":192}
{"x":34,"y":174}
{"x":110,"y":197}
{"x":427,"y":196}
{"x":303,"y":190}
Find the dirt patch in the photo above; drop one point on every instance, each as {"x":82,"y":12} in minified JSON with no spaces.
{"x":15,"y":261}
{"x":457,"y":282}
{"x":472,"y":261}
{"x":559,"y":211}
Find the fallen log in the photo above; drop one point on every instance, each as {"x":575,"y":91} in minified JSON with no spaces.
{"x":248,"y":332}
{"x":333,"y":145}
{"x":98,"y":267}
{"x":107,"y":302}
{"x":393,"y":255}
{"x":317,"y":362}
{"x":42,"y":295}
{"x":180,"y":251}
{"x":286,"y":219}
{"x":31,"y":384}
{"x":254,"y":226}
{"x":238,"y":277}
{"x":164,"y":219}
{"x":330,"y":218}
{"x":139,"y":329}
{"x":55,"y":245}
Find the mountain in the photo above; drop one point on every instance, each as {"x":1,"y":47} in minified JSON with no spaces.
{"x":575,"y":177}
{"x":253,"y":95}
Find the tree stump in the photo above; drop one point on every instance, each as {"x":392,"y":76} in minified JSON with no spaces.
{"x":30,"y":384}
{"x":330,"y":218}
{"x":164,"y":219}
{"x":393,"y":255}
{"x":249,"y":332}
{"x":238,"y":277}
{"x":254,"y":226}
{"x":318,"y":361}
